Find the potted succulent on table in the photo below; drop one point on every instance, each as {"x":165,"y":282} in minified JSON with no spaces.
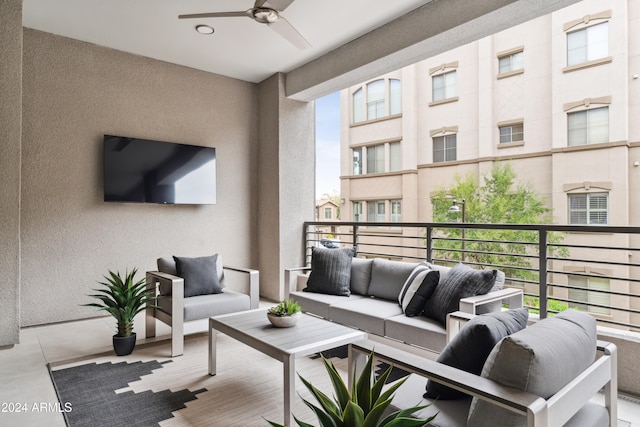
{"x":285,"y":314}
{"x":123,"y":299}
{"x":365,"y":404}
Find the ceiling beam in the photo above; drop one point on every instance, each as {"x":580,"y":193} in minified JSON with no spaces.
{"x":431,"y":29}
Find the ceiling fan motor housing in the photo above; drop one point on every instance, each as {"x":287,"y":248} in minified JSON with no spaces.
{"x":265,"y":15}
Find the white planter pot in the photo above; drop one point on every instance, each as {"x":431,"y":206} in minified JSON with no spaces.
{"x":283,"y":321}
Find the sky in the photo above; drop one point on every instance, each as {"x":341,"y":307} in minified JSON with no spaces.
{"x":328,"y":145}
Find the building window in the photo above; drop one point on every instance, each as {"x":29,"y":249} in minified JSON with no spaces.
{"x":375,"y":100}
{"x":511,"y":62}
{"x":357,"y":106}
{"x":371,"y":104}
{"x":589,"y":209}
{"x":396,"y":211}
{"x":588,"y":44}
{"x":376,"y":211}
{"x":511,"y":133}
{"x":587,"y":294}
{"x":328,"y":213}
{"x":357,"y":161}
{"x":444,"y":86}
{"x":375,"y":158}
{"x":357,"y":212}
{"x":588,"y":127}
{"x":395,"y":157}
{"x":395,"y":96}
{"x":444,"y":148}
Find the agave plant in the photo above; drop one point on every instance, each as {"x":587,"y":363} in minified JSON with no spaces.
{"x":123,"y":299}
{"x":362,"y":406}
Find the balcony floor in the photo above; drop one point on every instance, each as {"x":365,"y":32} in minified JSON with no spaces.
{"x":25,"y":378}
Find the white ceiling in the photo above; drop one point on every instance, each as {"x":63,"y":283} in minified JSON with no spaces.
{"x":239,"y":48}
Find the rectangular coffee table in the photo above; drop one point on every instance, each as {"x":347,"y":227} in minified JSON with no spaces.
{"x":310,"y":335}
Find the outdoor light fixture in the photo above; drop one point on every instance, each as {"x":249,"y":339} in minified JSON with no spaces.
{"x":456,"y":207}
{"x":204,"y":29}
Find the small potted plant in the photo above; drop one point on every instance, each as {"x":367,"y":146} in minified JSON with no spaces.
{"x":123,"y":299}
{"x":285,"y":314}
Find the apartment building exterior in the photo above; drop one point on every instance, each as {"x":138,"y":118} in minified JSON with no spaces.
{"x":557,"y":97}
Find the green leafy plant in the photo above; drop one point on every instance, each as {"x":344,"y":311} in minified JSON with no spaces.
{"x":287,"y":307}
{"x":362,"y":406}
{"x":123,"y":299}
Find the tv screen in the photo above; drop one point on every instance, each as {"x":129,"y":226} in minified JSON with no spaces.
{"x":145,"y":171}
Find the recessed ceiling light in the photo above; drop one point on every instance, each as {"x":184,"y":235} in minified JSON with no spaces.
{"x":204,"y":29}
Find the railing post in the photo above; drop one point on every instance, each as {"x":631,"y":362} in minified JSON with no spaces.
{"x":542,"y":271}
{"x":355,"y":238}
{"x":429,"y":243}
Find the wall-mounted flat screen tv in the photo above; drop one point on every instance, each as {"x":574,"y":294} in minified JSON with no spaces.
{"x":146,"y":171}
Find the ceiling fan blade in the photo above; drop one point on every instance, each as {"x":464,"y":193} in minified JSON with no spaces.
{"x":278,"y":5}
{"x":216,"y":15}
{"x":286,"y":30}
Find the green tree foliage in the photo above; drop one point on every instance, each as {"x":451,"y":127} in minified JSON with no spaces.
{"x":499,"y":199}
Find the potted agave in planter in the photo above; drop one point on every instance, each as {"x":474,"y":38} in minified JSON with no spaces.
{"x":123,"y":299}
{"x":366,"y":404}
{"x":285,"y":314}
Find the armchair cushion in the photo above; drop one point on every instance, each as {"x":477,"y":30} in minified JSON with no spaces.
{"x":540,"y":359}
{"x":470,"y":348}
{"x":200,"y":275}
{"x":417,"y":289}
{"x":330,"y":271}
{"x":460,"y":282}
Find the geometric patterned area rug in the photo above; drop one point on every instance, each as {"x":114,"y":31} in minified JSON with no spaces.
{"x":89,"y":395}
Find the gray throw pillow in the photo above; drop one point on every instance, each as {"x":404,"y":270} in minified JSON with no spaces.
{"x":388,"y":277}
{"x":200,"y":275}
{"x":417,"y":289}
{"x":360,"y":275}
{"x":540,"y":359}
{"x":461,"y":282}
{"x":469,"y":349}
{"x":330,"y":271}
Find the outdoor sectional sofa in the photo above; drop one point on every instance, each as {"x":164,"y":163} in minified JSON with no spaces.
{"x":404,"y":301}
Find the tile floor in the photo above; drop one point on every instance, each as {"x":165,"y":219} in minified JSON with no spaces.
{"x":27,"y":395}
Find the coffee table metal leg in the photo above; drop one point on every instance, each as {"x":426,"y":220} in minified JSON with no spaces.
{"x":289,"y":386}
{"x":212,"y":349}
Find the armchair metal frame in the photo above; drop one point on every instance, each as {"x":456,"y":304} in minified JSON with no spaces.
{"x":175,"y":319}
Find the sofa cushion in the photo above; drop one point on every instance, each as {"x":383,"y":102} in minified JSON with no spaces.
{"x":461,"y":282}
{"x":367,"y":314}
{"x":388,"y":277}
{"x":330,"y":271}
{"x":540,"y":359}
{"x":168,"y":265}
{"x":417,"y":289}
{"x":199,"y":274}
{"x":469,"y":349}
{"x":418,"y":330}
{"x":319,"y":304}
{"x":360,"y":275}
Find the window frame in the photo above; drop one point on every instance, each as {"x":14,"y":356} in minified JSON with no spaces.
{"x":445,"y":149}
{"x":588,"y":209}
{"x":446,"y":96}
{"x":511,"y":54}
{"x":587,"y":296}
{"x":590,"y":128}
{"x":511,"y":126}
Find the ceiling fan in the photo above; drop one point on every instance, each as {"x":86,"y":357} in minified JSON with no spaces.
{"x":264,"y":12}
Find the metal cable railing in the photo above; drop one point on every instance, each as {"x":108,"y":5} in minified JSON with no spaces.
{"x":590,"y":268}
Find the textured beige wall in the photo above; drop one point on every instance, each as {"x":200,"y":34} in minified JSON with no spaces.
{"x":286,"y":182}
{"x":75,"y":92}
{"x":10,"y":135}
